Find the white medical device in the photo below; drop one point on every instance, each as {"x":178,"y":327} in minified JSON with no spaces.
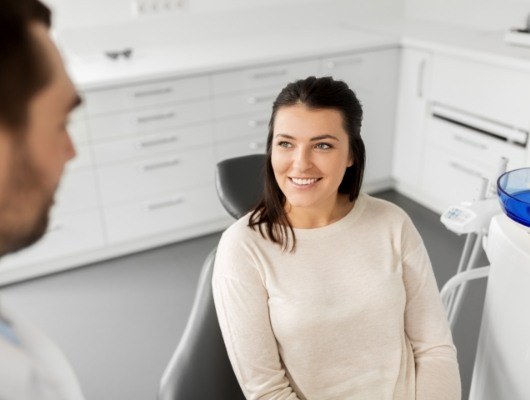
{"x":502,"y":363}
{"x":471,"y":218}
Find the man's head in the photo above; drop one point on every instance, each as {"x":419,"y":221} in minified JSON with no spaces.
{"x":36,"y":97}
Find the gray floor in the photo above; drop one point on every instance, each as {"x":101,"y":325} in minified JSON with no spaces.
{"x":119,"y":321}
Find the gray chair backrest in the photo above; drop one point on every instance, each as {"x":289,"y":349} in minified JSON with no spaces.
{"x":239,"y":182}
{"x":200,"y":369}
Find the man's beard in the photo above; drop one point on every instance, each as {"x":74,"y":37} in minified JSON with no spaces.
{"x":24,"y":213}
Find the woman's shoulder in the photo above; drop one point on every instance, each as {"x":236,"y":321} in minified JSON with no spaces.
{"x":393,"y":218}
{"x":384,"y":209}
{"x":240,"y":231}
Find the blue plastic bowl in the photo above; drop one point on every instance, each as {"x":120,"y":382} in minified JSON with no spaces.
{"x":513,"y":188}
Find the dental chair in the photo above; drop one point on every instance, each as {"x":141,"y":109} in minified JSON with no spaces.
{"x":200,"y":369}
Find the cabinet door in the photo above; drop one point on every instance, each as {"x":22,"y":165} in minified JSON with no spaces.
{"x":373,"y":78}
{"x":414,"y":81}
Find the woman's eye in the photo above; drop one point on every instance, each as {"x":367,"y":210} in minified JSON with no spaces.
{"x":324,"y":146}
{"x":284,"y":144}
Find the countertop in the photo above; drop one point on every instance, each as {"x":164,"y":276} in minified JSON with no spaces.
{"x":171,"y":48}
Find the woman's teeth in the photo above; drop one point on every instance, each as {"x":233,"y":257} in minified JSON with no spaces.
{"x":304,"y":181}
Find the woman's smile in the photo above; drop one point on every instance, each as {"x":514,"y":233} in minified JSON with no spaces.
{"x":304,"y":183}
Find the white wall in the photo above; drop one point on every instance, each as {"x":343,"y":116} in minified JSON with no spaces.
{"x":82,"y":13}
{"x":482,"y":14}
{"x":70,"y":14}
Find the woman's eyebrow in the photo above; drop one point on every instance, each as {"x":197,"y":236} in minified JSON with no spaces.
{"x":327,"y":136}
{"x":319,"y":137}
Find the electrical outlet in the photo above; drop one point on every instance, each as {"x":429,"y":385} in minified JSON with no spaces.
{"x":141,"y":8}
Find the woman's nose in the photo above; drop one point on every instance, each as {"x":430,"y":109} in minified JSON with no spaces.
{"x":302,"y":160}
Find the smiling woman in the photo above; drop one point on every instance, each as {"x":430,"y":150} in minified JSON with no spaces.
{"x":309,"y":164}
{"x":315,"y":158}
{"x":352,"y":309}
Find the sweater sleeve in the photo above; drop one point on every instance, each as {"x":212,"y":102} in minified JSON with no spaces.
{"x":426,"y":325}
{"x":241,"y":302}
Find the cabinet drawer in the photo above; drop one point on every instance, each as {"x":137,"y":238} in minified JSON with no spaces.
{"x":149,"y":94}
{"x":162,"y":214}
{"x":276,"y":76}
{"x":77,"y":191}
{"x":67,"y":235}
{"x":148,"y":120}
{"x":252,"y":145}
{"x":362,"y":71}
{"x":243,"y":127}
{"x":448,"y":179}
{"x":154,"y":176}
{"x":468,"y":144}
{"x":149,"y":145}
{"x":498,"y":93}
{"x":252,"y":102}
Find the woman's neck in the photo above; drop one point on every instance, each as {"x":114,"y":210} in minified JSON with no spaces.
{"x":309,"y":218}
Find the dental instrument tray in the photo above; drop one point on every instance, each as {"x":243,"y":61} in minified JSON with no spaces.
{"x":513,"y":188}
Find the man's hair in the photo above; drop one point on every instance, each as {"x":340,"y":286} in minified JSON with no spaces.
{"x":24,"y":69}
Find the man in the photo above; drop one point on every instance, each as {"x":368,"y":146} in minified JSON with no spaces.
{"x":36,"y":97}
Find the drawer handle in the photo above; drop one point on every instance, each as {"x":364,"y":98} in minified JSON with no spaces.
{"x":153,"y":92}
{"x":335,"y":64}
{"x":421,"y":73}
{"x":470,"y":142}
{"x":260,"y":99}
{"x":254,"y":123}
{"x":163,"y":164}
{"x":466,"y":170}
{"x":156,"y":117}
{"x":164,"y":204}
{"x":156,"y":142}
{"x":269,"y":74}
{"x":256,"y":145}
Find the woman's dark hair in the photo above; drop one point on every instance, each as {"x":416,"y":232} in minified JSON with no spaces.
{"x":314,"y":93}
{"x":24,"y":69}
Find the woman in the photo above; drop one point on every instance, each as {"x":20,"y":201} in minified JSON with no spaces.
{"x":323,"y":292}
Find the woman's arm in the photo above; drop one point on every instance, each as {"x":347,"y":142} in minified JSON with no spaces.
{"x":241,"y":302}
{"x":426,"y":325}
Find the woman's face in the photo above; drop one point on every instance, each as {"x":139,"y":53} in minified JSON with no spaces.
{"x":310,"y":154}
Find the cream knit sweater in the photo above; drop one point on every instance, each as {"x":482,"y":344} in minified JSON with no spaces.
{"x":354,"y":313}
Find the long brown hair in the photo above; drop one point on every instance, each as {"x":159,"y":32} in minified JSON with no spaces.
{"x":316,"y":93}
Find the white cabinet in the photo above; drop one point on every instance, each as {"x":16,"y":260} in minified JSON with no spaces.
{"x":412,"y":101}
{"x":456,"y":119}
{"x":495,"y":92}
{"x":143,"y":95}
{"x":373,"y":77}
{"x":155,"y":160}
{"x":274,"y":76}
{"x":475,"y":118}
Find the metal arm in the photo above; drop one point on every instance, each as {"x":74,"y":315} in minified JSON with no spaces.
{"x":452,"y":284}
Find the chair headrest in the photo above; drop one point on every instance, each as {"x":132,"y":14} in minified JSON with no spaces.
{"x":239,"y":182}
